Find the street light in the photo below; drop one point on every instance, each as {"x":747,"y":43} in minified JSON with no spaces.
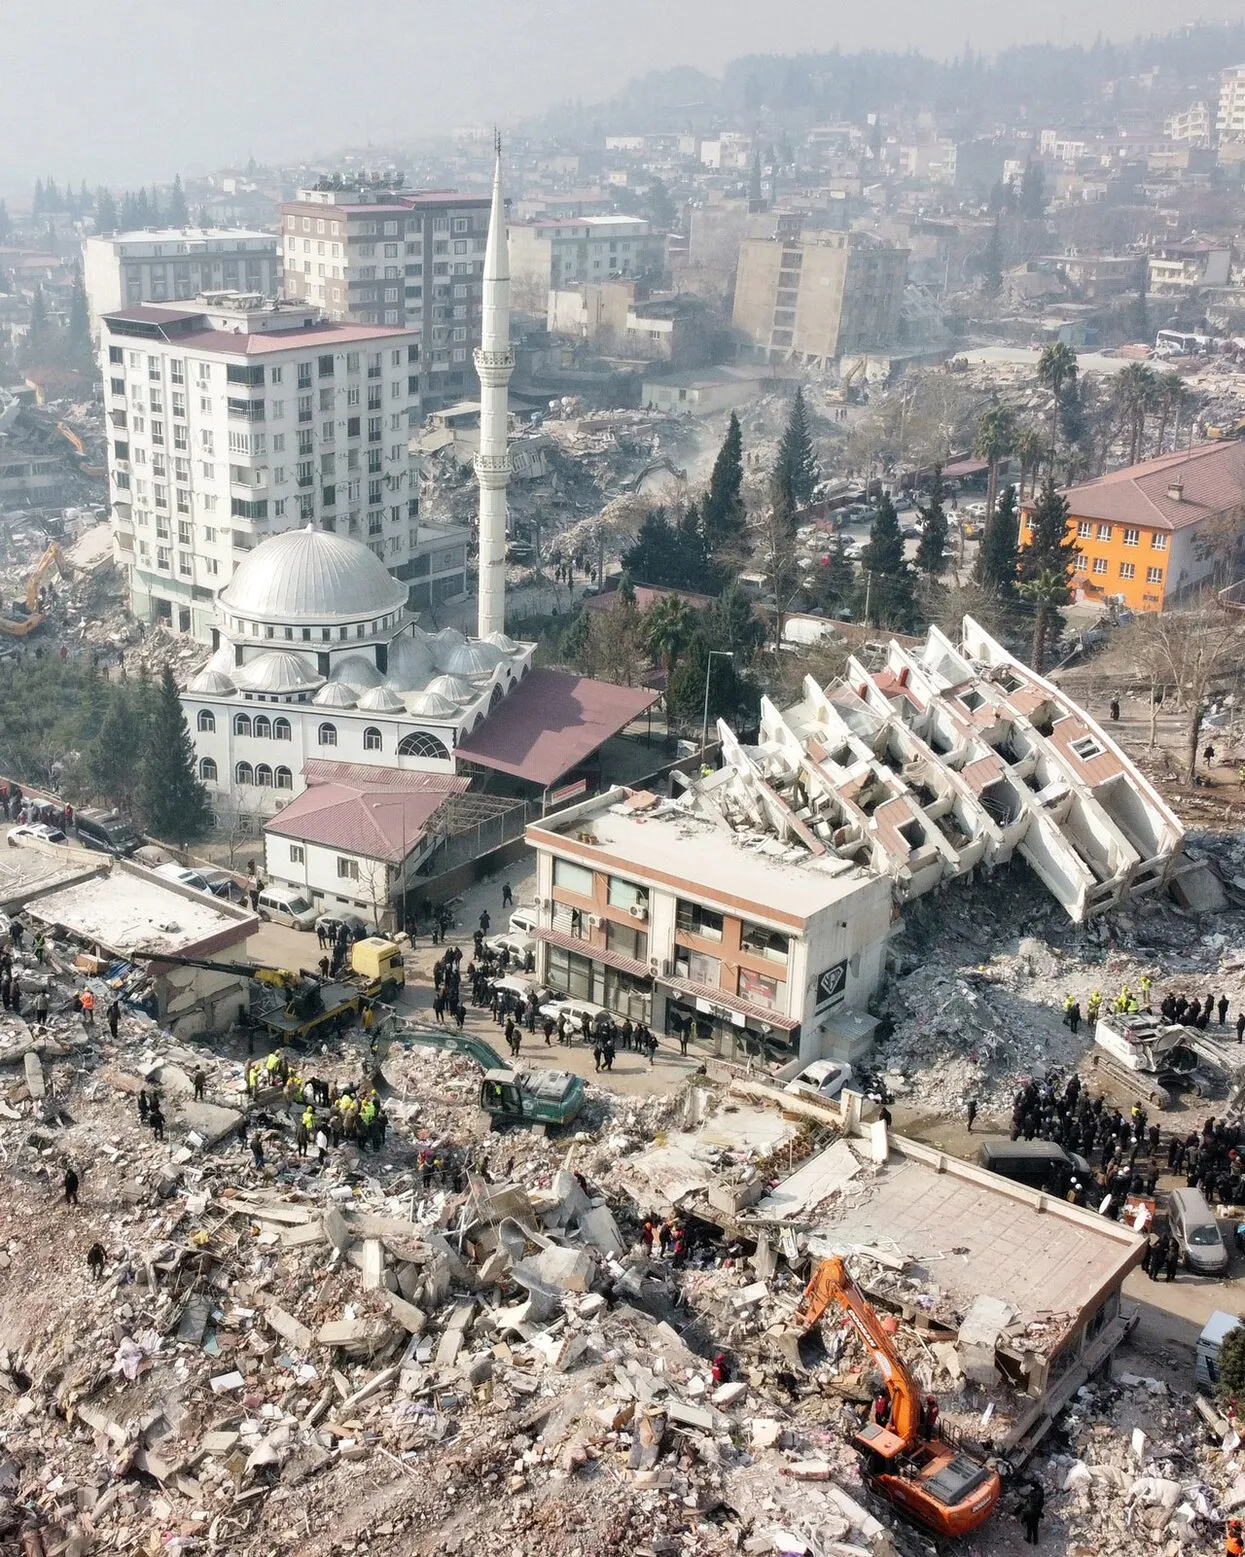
{"x":722,"y":654}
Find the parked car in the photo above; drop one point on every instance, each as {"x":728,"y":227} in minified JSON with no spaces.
{"x":1192,"y":1225}
{"x":823,"y":1078}
{"x":523,"y":922}
{"x":357,"y":929}
{"x":184,"y":876}
{"x":287,"y":905}
{"x":519,"y":946}
{"x":107,"y":831}
{"x":581,"y":1014}
{"x":39,"y":830}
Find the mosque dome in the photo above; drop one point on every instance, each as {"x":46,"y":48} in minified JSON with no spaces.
{"x":214,"y":682}
{"x":473,"y":659}
{"x":222,"y":660}
{"x":456,"y":689}
{"x":410,"y":663}
{"x":279,"y":670}
{"x":357,"y":671}
{"x":380,"y":700}
{"x":430,"y":705}
{"x":335,"y":694}
{"x":311,"y":576}
{"x":501,"y":641}
{"x":444,"y":643}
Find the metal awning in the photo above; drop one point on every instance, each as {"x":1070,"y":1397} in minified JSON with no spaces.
{"x":762,"y":1015}
{"x":612,"y":959}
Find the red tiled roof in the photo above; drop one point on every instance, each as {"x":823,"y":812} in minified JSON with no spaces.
{"x":550,"y":723}
{"x":584,"y":948}
{"x":1212,"y":476}
{"x":379,"y":820}
{"x":362,"y":775}
{"x":646,"y":597}
{"x":719,"y":997}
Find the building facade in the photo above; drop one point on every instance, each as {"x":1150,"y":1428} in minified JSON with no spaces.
{"x":1195,"y":123}
{"x":1154,"y":533}
{"x":1180,"y":268}
{"x":1231,"y":118}
{"x":547,"y":255}
{"x":120,"y":270}
{"x":816,"y":296}
{"x":231,"y":420}
{"x":318,"y":657}
{"x":415,"y":260}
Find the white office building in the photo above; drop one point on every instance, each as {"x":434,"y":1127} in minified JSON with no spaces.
{"x":176,"y":264}
{"x":232,"y":419}
{"x":1231,"y":121}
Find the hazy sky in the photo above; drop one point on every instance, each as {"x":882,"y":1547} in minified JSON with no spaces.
{"x":126,"y":90}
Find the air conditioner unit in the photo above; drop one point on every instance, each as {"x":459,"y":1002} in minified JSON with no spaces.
{"x":659,"y":967}
{"x":595,"y":921}
{"x":638,"y":911}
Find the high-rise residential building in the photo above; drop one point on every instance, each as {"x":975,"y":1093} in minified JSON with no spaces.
{"x":366,"y":254}
{"x":232,"y":419}
{"x":549,"y":255}
{"x":174,"y":264}
{"x":1231,"y":120}
{"x":812,"y":296}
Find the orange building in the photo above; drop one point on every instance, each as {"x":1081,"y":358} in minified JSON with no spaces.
{"x":1153,"y":532}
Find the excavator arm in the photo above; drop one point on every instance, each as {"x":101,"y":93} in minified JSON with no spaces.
{"x":52,"y":557}
{"x":831,"y":1283}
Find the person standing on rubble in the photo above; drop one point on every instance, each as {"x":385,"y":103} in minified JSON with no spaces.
{"x":200,"y":1081}
{"x":155,"y":1118}
{"x":114,"y":1018}
{"x":1031,"y":1512}
{"x":1223,"y":1010}
{"x":971,"y":1113}
{"x":71,"y":1187}
{"x":257,"y":1150}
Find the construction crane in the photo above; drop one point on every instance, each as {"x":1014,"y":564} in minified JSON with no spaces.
{"x":947,"y":1489}
{"x":27,"y":615}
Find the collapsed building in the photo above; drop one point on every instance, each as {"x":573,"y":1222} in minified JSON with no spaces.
{"x":757,"y":905}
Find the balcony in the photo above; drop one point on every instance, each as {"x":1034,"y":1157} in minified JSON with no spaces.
{"x":246,"y":410}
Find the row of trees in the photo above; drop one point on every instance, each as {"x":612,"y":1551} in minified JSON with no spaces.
{"x":135,"y":209}
{"x":65,"y":727}
{"x":48,"y":343}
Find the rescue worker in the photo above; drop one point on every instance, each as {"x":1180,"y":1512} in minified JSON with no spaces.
{"x":1093,"y":1006}
{"x":1146,"y":987}
{"x":114,"y":1017}
{"x":88,"y":1007}
{"x":1068,"y":1007}
{"x":1234,"y":1540}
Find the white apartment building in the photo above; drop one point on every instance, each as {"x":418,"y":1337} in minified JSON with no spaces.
{"x":1232,"y":104}
{"x":1194,"y":123}
{"x":175,"y":264}
{"x":553,"y":254}
{"x":232,"y":419}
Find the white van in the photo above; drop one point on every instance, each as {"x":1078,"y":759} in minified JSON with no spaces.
{"x":287,"y":905}
{"x":523,"y":922}
{"x":183,"y":875}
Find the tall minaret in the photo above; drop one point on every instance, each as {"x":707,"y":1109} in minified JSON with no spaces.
{"x":494,"y":364}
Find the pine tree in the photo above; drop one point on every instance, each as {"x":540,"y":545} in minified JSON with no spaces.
{"x":995,"y":568}
{"x":1231,"y":1386}
{"x":796,"y":469}
{"x":179,"y":216}
{"x":105,"y":211}
{"x":39,"y":330}
{"x":52,"y":196}
{"x":992,"y":265}
{"x":173,"y":802}
{"x":1050,"y":546}
{"x":129,"y":213}
{"x":733,"y":623}
{"x":84,"y":199}
{"x":884,"y":553}
{"x":722,"y":514}
{"x":833,"y":584}
{"x":6,"y":225}
{"x":37,"y":204}
{"x":886,"y":594}
{"x":110,"y":763}
{"x":1033,"y":192}
{"x":756,"y":197}
{"x":934,"y":530}
{"x":142,"y":209}
{"x":79,"y":332}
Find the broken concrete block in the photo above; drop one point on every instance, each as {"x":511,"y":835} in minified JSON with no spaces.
{"x":599,"y":1228}
{"x":754,"y":1293}
{"x":209,"y":1120}
{"x":590,"y":1305}
{"x":302,"y":1237}
{"x":289,"y":1328}
{"x":476,"y":1367}
{"x":408,"y":1316}
{"x":194,"y":1320}
{"x":808,"y":1470}
{"x":364,"y":1334}
{"x":336,"y":1229}
{"x":646,"y":1437}
{"x":764,"y":1432}
{"x":34,"y":1077}
{"x":495,"y":1269}
{"x":224,"y":1382}
{"x":448,"y":1350}
{"x":218,"y":1443}
{"x":373,"y":1264}
{"x":690,"y":1415}
{"x":728,"y":1394}
{"x":570,"y":1269}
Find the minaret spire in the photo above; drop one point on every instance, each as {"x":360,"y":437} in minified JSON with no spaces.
{"x":494,"y":364}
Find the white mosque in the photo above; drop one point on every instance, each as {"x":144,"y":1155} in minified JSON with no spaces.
{"x":317,"y":654}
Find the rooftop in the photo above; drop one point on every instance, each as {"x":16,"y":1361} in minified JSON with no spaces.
{"x":378,"y":814}
{"x":189,"y":326}
{"x":1211,"y":477}
{"x":184,"y":235}
{"x":129,"y":911}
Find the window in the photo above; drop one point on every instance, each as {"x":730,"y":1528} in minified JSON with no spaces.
{"x":626,"y":895}
{"x":1100,"y":565}
{"x":243,"y":773}
{"x":630,"y":940}
{"x":207,"y":720}
{"x":1131,"y":537}
{"x":761,"y":990}
{"x":574,"y":878}
{"x":1104,"y":532}
{"x":297,"y":856}
{"x":207,"y":769}
{"x":347,"y":869}
{"x":1085,"y":529}
{"x":1154,"y":575}
{"x":1127,"y":570}
{"x":1087,"y":748}
{"x":423,"y":745}
{"x":697,"y":968}
{"x":1158,"y":542}
{"x":755,"y":938}
{"x":284,"y":778}
{"x":262,"y":727}
{"x":372,"y":740}
{"x":242,"y":724}
{"x":1080,"y":563}
{"x":281,"y":729}
{"x":263,"y":776}
{"x":327,"y":735}
{"x":692,"y":919}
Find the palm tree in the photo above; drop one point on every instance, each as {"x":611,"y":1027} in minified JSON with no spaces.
{"x":1047,"y":591}
{"x":1172,"y":399}
{"x":1056,"y":369}
{"x":1030,"y":449}
{"x":996,"y":437}
{"x":668,"y":629}
{"x":1134,"y":393}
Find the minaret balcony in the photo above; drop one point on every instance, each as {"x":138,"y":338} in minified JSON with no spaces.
{"x":494,"y":359}
{"x":493,"y":464}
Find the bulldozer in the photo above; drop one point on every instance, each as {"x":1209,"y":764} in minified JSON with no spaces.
{"x":948,"y":1489}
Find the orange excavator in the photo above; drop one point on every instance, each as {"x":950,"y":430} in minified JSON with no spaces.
{"x":905,"y":1460}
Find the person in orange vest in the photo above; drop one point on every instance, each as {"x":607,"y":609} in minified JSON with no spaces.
{"x":1233,"y":1545}
{"x":88,"y":1007}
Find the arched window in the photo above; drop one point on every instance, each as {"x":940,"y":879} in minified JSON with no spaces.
{"x":280,"y":729}
{"x":262,"y":728}
{"x":328,"y":735}
{"x":496,"y":698}
{"x":284,"y":778}
{"x":242,"y":724}
{"x":263,"y":776}
{"x":242,"y":774}
{"x":372,"y":740}
{"x":421,"y":744}
{"x":207,"y":720}
{"x":207,"y":770}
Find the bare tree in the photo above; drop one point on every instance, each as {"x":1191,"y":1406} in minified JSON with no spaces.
{"x":1188,"y":653}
